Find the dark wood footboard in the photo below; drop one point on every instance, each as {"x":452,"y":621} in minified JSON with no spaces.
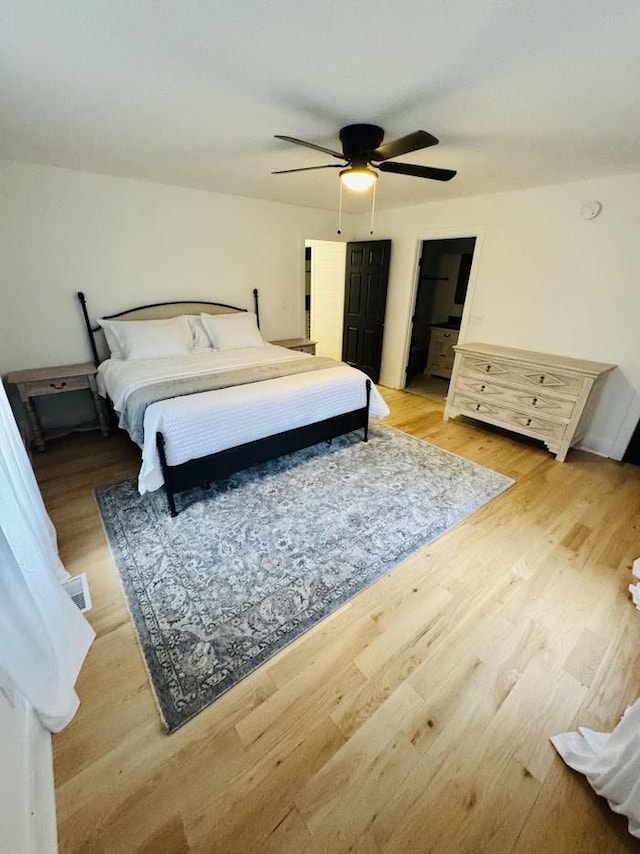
{"x":203,"y":470}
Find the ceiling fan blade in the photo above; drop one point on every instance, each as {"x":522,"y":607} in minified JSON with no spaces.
{"x":418,"y":171}
{"x":309,"y":168}
{"x":403,"y":145}
{"x":310,"y":145}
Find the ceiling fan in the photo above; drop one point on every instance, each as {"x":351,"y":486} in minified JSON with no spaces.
{"x":364,"y":152}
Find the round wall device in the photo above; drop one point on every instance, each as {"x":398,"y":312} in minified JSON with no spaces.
{"x":590,"y":210}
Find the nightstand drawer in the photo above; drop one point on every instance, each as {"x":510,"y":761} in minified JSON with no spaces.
{"x":58,"y":379}
{"x":36,"y":388}
{"x":303,"y":345}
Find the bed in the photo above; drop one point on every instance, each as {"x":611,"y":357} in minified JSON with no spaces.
{"x":225,"y":401}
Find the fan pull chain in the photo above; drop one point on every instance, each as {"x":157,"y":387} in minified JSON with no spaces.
{"x":373,"y":206}
{"x":340,"y":209}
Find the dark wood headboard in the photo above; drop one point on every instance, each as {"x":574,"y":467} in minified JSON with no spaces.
{"x":157,"y":311}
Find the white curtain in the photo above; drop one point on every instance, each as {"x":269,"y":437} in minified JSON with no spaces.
{"x":43,"y":636}
{"x":634,"y":589}
{"x":610,"y":762}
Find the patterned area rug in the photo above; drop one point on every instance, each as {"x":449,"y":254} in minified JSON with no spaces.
{"x":251,"y":564}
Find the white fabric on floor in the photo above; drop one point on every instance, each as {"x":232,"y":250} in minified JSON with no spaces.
{"x":610,"y":762}
{"x":634,"y":589}
{"x":43,"y":636}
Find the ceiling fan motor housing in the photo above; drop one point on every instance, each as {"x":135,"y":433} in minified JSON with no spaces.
{"x":359,"y":141}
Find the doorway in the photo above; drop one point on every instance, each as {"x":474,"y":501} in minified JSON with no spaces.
{"x":345,"y":294}
{"x":325,"y":262}
{"x":632,"y":454}
{"x":443,"y":278}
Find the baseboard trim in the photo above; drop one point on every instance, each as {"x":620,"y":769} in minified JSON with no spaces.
{"x":596,"y":445}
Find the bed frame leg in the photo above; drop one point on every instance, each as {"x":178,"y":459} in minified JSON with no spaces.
{"x":166,"y":474}
{"x":366,"y":423}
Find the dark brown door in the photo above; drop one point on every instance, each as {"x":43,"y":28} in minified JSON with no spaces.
{"x":632,"y":454}
{"x":365,"y":300}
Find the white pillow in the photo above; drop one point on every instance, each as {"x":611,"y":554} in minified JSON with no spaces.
{"x":149,"y":339}
{"x":233,"y":331}
{"x":199,"y":333}
{"x":110,"y":329}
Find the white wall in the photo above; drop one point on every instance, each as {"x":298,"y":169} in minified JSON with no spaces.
{"x":125,"y":242}
{"x":543,"y":279}
{"x":328,"y":260}
{"x":27,"y":807}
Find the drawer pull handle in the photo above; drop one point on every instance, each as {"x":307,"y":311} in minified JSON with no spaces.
{"x":58,"y":385}
{"x":477,"y":406}
{"x":542,"y":379}
{"x":482,"y":387}
{"x":488,"y":368}
{"x":528,"y":421}
{"x":534,"y":401}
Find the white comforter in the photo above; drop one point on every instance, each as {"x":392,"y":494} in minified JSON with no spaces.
{"x":199,"y":424}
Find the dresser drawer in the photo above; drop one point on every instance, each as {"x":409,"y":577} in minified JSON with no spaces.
{"x":54,"y":386}
{"x":537,"y":403}
{"x":531,"y":425}
{"x":444,"y":336}
{"x":443,"y":359}
{"x":522,"y":376}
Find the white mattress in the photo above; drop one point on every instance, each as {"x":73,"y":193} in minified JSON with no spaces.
{"x":199,"y":424}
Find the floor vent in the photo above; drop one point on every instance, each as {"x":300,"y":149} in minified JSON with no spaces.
{"x":78,"y":589}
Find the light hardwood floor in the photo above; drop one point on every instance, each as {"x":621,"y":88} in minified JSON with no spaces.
{"x":415,"y":719}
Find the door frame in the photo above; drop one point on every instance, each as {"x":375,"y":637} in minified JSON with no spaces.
{"x":442,"y":234}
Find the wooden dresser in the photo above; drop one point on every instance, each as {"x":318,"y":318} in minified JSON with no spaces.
{"x":546,"y":397}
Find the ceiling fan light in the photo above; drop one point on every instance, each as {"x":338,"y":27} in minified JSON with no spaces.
{"x":358,"y":178}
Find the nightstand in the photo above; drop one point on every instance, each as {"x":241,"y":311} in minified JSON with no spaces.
{"x":56,"y":380}
{"x":302,"y":344}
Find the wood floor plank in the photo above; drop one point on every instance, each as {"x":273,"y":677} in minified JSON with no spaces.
{"x":259,"y":813}
{"x":351,"y":765}
{"x":416,"y":718}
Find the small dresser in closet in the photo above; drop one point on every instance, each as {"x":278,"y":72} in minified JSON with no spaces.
{"x":441,"y":343}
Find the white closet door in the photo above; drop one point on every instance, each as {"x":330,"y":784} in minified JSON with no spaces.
{"x":328,"y":260}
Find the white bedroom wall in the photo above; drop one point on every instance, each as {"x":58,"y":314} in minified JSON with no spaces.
{"x":126,"y":242}
{"x":543,"y":279}
{"x":27,"y":806}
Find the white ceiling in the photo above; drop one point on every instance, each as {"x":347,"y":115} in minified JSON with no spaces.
{"x":190,"y":92}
